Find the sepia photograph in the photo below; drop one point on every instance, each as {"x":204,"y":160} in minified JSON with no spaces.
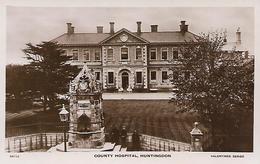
{"x":129,"y":79}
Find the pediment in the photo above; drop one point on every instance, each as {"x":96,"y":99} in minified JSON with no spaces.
{"x":124,"y":36}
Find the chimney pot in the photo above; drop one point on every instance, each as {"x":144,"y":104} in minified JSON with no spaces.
{"x":154,"y":28}
{"x":139,"y":30}
{"x":99,"y":29}
{"x":112,"y":30}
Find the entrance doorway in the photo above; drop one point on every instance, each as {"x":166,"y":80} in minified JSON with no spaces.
{"x":125,"y":80}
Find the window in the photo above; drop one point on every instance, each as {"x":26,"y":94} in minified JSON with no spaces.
{"x":97,"y":74}
{"x":186,"y":75}
{"x":110,"y":54}
{"x":75,"y":54}
{"x":175,"y":75}
{"x":138,"y":53}
{"x":164,"y":53}
{"x":97,"y":56}
{"x":139,"y":77}
{"x":110,"y":77}
{"x":86,"y":55}
{"x":64,"y":52}
{"x":124,"y":53}
{"x":153,"y":54}
{"x":164,"y":76}
{"x":153,"y":75}
{"x":175,"y":54}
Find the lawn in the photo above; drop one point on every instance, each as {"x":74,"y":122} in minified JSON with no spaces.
{"x":156,"y":118}
{"x":152,"y":117}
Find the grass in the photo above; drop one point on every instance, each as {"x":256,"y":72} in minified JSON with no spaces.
{"x":156,"y":118}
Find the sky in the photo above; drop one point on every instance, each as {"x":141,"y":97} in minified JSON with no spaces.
{"x":37,"y":24}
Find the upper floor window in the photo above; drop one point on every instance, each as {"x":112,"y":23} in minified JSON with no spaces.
{"x":86,"y":55}
{"x":164,"y":53}
{"x":97,"y":56}
{"x":124,"y":53}
{"x":139,"y":77}
{"x":110,"y":54}
{"x":164,"y":76}
{"x":153,"y":54}
{"x":153,"y":75}
{"x":75,"y":54}
{"x":175,"y":54}
{"x":64,"y":52}
{"x":110,"y":77}
{"x":138,"y":53}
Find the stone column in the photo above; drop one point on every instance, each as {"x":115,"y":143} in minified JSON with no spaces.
{"x":196,"y":138}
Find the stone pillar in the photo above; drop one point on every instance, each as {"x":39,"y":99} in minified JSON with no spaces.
{"x":196,"y":138}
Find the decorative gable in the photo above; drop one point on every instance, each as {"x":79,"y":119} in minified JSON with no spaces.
{"x":85,"y":82}
{"x":123,"y":36}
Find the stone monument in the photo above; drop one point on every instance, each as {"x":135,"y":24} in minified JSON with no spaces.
{"x":86,"y":115}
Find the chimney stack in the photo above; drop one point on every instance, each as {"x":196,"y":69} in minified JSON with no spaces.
{"x":72,"y":29}
{"x":238,"y":34}
{"x":112,"y":30}
{"x":225,"y":37}
{"x":183,"y":27}
{"x":154,"y":28}
{"x":69,"y":28}
{"x":99,"y":29}
{"x":139,"y":27}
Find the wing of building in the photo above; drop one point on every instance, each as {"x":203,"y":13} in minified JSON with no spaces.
{"x":126,"y":60}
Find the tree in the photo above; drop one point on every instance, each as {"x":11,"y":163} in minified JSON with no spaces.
{"x":217,"y":85}
{"x":16,"y":86}
{"x":51,"y":70}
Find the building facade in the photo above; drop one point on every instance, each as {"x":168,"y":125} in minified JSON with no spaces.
{"x":125,"y":60}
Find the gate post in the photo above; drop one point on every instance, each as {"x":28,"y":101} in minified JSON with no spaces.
{"x":196,"y":138}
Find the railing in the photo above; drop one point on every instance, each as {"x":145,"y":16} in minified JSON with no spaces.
{"x":33,"y":142}
{"x":26,"y":129}
{"x":151,"y":143}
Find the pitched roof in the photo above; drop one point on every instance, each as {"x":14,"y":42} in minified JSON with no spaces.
{"x":81,"y":38}
{"x":168,"y":37}
{"x":152,"y":37}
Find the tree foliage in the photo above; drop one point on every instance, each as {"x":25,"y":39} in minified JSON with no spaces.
{"x":51,"y":69}
{"x":218,"y":85}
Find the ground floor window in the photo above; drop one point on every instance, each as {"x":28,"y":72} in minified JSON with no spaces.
{"x":97,"y":74}
{"x":139,"y":77}
{"x":153,"y":75}
{"x":164,"y":76}
{"x":110,"y":77}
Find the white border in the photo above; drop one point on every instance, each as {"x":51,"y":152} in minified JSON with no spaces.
{"x":252,"y":158}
